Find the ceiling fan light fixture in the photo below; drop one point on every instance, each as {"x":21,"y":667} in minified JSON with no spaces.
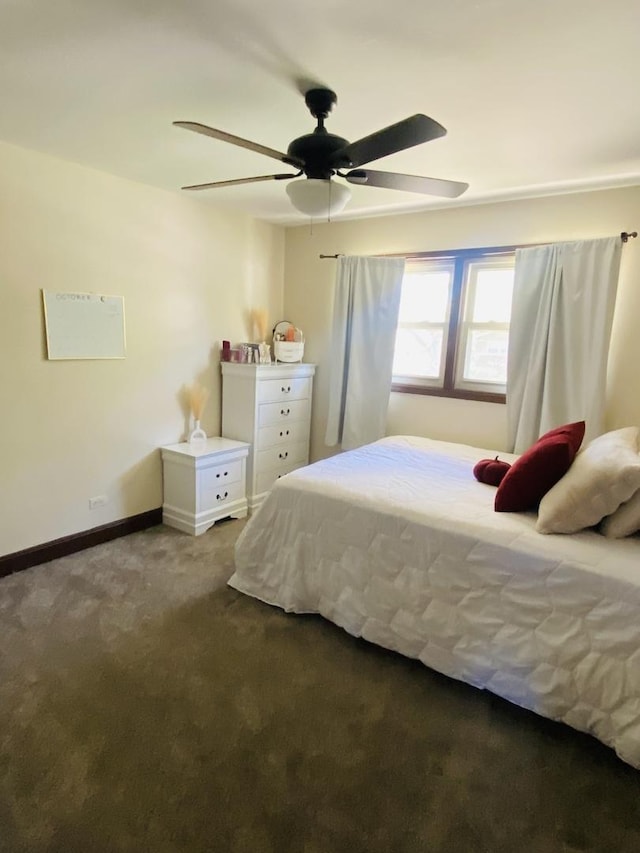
{"x":318,"y":198}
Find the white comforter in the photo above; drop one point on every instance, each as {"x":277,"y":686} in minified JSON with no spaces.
{"x":397,"y":543}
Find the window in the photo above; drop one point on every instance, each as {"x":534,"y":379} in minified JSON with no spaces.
{"x":453,"y":326}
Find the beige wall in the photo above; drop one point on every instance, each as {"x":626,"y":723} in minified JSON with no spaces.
{"x":71,"y":430}
{"x":189,"y":275}
{"x":309,"y":288}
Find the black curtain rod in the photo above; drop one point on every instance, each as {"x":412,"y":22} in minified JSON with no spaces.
{"x":625,"y":236}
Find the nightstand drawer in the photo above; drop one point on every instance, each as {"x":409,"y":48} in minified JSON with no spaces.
{"x":274,"y":414}
{"x":285,"y":434}
{"x":216,"y":476}
{"x":282,"y":457}
{"x":276,"y":390}
{"x":214,"y":495}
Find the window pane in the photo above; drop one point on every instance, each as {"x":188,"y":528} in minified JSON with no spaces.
{"x":418,"y":353}
{"x":425,"y":297}
{"x":492,"y":297}
{"x":486,"y":356}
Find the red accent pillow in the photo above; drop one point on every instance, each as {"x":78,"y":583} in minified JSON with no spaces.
{"x":490,"y":471}
{"x":539,"y":468}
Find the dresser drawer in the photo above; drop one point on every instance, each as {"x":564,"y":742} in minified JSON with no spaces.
{"x":285,"y":434}
{"x":266,"y":479}
{"x":277,"y":390}
{"x":281,"y":457}
{"x":274,"y":414}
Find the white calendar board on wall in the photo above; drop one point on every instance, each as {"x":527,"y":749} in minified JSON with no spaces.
{"x":83,"y":325}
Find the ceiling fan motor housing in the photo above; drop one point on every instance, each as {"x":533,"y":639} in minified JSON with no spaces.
{"x":316,"y":151}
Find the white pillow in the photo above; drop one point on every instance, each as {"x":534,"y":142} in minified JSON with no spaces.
{"x":625,"y":520}
{"x":604,"y":474}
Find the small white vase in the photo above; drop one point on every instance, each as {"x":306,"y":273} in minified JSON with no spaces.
{"x":264,"y":351}
{"x":198,"y":436}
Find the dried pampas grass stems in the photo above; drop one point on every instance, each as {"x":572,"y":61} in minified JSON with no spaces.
{"x":198,"y":397}
{"x":259,"y":319}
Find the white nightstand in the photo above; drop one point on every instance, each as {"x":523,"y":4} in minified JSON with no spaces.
{"x":204,"y":484}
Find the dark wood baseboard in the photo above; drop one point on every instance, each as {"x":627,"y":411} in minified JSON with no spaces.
{"x":20,"y":560}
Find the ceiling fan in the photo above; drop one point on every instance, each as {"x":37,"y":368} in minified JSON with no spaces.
{"x":321,"y":155}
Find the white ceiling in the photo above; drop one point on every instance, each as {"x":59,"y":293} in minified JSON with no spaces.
{"x":538,"y":96}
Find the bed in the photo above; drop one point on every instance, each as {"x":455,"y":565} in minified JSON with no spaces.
{"x":396,"y":542}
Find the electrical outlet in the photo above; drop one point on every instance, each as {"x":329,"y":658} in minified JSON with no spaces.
{"x":99,"y":500}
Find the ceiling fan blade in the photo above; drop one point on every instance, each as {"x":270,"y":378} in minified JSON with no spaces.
{"x":407,"y":183}
{"x":404,"y":134}
{"x":237,"y":181}
{"x":237,"y":140}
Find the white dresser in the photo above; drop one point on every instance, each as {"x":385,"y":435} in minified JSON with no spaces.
{"x":269,"y":406}
{"x":203,"y":483}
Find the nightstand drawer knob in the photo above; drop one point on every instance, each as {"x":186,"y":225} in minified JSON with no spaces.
{"x":222,"y":497}
{"x":224,"y":474}
{"x":284,"y":432}
{"x":283,"y":455}
{"x":285,"y":411}
{"x":286,"y":390}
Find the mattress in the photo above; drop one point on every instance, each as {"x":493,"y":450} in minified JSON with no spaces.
{"x":396,"y":542}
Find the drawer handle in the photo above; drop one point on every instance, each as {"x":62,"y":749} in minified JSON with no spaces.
{"x":222,"y":497}
{"x":286,"y":390}
{"x":283,"y":455}
{"x":284,"y":432}
{"x":224,"y":475}
{"x":285,"y":411}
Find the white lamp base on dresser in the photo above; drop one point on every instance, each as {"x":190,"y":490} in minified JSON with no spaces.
{"x":204,"y":483}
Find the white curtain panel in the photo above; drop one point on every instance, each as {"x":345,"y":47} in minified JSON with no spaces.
{"x":563,"y":301}
{"x":365,"y":317}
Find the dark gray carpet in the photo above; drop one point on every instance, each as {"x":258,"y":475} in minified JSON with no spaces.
{"x":145,"y":706}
